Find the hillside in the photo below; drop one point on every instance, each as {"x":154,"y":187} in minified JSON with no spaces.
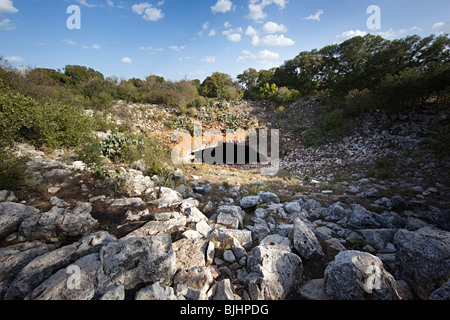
{"x":378,"y":190}
{"x":95,"y":208}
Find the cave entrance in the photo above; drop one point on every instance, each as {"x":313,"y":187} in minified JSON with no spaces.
{"x":230,"y":154}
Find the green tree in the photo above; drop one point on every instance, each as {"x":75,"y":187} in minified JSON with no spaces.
{"x":216,"y":85}
{"x":80,"y":74}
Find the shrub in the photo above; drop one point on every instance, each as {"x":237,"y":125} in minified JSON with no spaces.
{"x":12,"y":170}
{"x":268,"y":91}
{"x":408,"y":88}
{"x":358,"y":102}
{"x":23,"y":118}
{"x":90,"y":152}
{"x":286,"y":96}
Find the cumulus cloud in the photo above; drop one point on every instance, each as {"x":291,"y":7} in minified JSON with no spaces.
{"x":126,"y":60}
{"x":7,"y":6}
{"x":316,"y":16}
{"x":14,"y":59}
{"x":177,"y":48}
{"x":153,"y":14}
{"x":68,"y":41}
{"x":86,"y":4}
{"x":348,"y":35}
{"x":94,"y":46}
{"x":251,"y":31}
{"x":222,"y":6}
{"x":212,"y":33}
{"x":273,"y":27}
{"x":441,"y":27}
{"x":210,"y":59}
{"x":264,"y":57}
{"x":147,"y":11}
{"x":5,"y":25}
{"x":256,"y":8}
{"x":233,"y":35}
{"x":272,"y":40}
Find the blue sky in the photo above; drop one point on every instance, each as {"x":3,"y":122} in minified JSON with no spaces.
{"x":192,"y":39}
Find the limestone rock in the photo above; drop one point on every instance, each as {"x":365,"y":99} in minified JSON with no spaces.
{"x":355,"y":275}
{"x":274,"y":274}
{"x":305,"y":241}
{"x":424,"y":258}
{"x":11,"y":216}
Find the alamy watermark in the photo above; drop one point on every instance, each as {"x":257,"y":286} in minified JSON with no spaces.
{"x":374,"y":21}
{"x":74,"y":277}
{"x":234,"y":148}
{"x":74,"y":20}
{"x":373,"y":281}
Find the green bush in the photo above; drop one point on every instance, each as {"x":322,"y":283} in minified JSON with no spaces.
{"x":358,"y":102}
{"x":90,"y":152}
{"x":23,"y":118}
{"x":333,"y":122}
{"x":409,"y":88}
{"x":12,"y":170}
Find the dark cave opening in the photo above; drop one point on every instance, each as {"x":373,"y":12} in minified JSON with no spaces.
{"x":231,"y":154}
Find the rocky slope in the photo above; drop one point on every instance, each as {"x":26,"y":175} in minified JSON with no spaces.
{"x":355,"y":237}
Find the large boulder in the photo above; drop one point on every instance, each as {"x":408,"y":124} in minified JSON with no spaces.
{"x":136,"y":183}
{"x":361,"y":218}
{"x":42,"y":267}
{"x":17,"y":256}
{"x":355,"y":275}
{"x":194,"y":283}
{"x":275,"y":272}
{"x":59,"y":222}
{"x":305,"y":241}
{"x":233,"y":211}
{"x":11,"y":216}
{"x":424,"y":258}
{"x":83,"y":280}
{"x":139,"y":260}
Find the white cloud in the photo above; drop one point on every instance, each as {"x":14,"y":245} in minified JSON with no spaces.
{"x":5,"y":25}
{"x":348,"y":35}
{"x":14,"y":59}
{"x":392,"y":34}
{"x":139,"y":8}
{"x":256,"y":8}
{"x":177,"y":48}
{"x":153,"y":14}
{"x":250,"y":31}
{"x":94,"y":46}
{"x":68,"y":41}
{"x":126,"y":60}
{"x":86,"y":4}
{"x":441,"y":27}
{"x":210,"y":59}
{"x":438,"y":25}
{"x":264,"y":57}
{"x":147,"y":11}
{"x":150,"y":48}
{"x":222,"y":6}
{"x":212,"y":33}
{"x":316,"y":16}
{"x":227,"y":24}
{"x":233,"y":35}
{"x":110,"y":3}
{"x":272,"y":41}
{"x":7,"y":6}
{"x":273,"y":27}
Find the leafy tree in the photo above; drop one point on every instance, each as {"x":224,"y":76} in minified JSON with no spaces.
{"x":80,"y":74}
{"x":215,"y":86}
